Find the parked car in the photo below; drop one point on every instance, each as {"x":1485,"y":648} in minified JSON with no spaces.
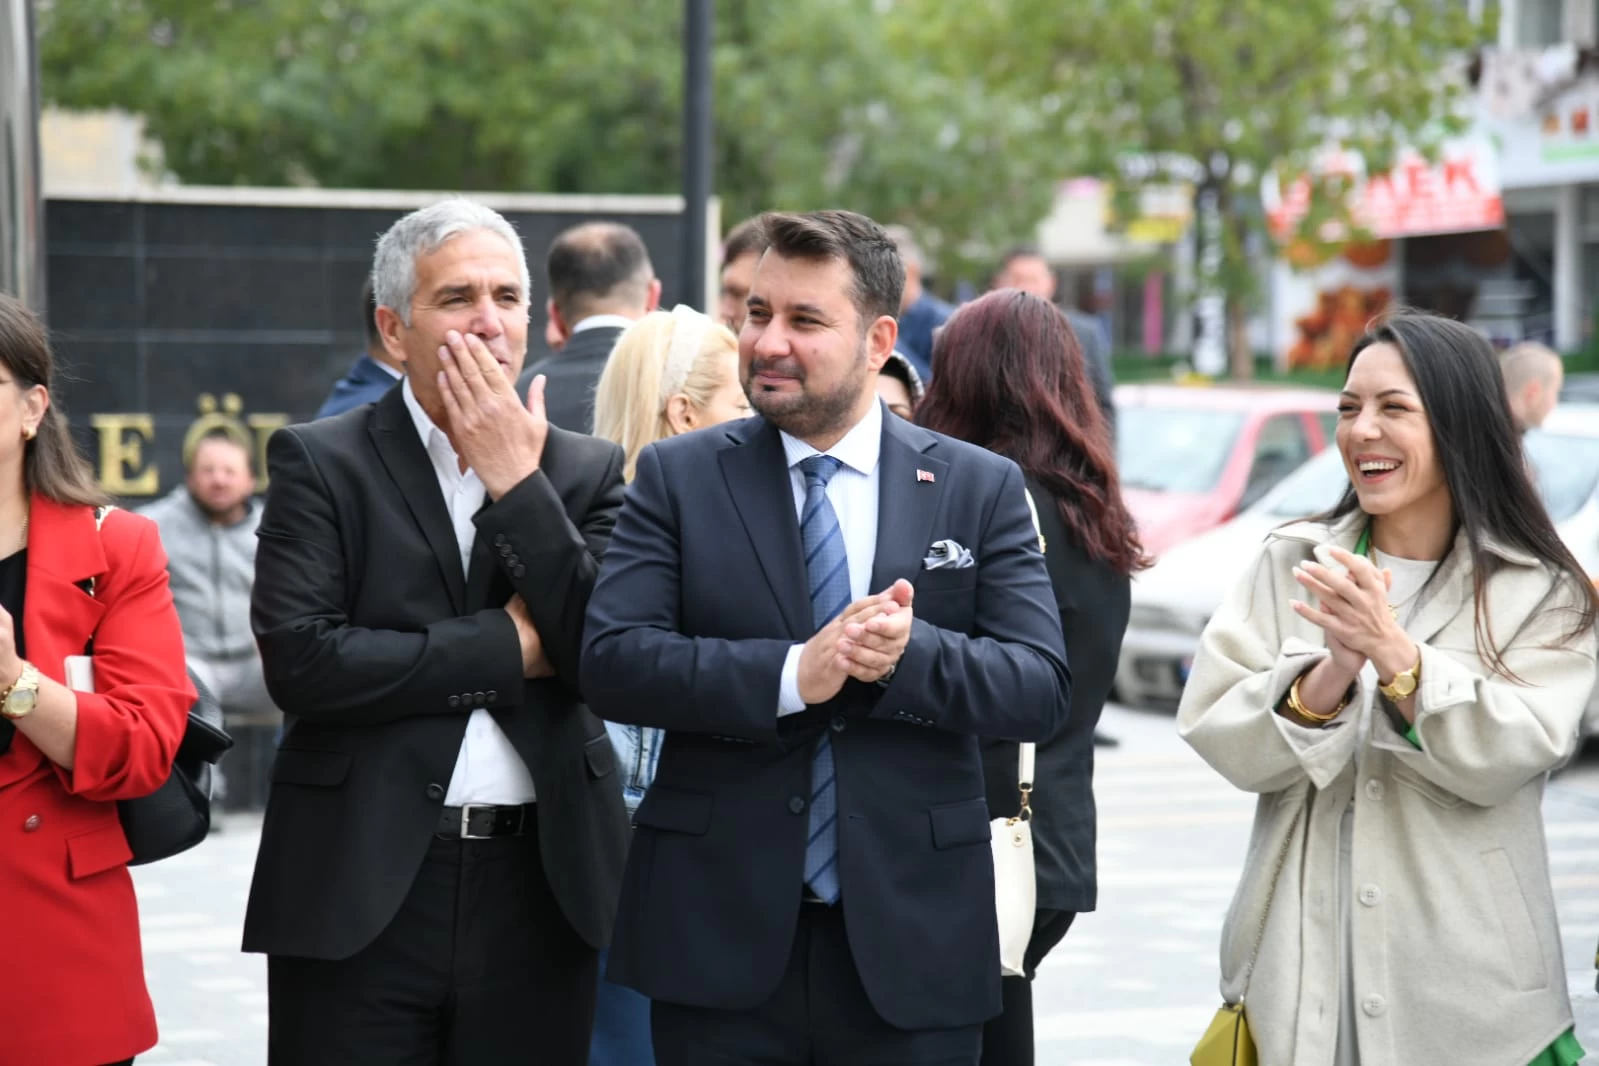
{"x":1172,"y":601}
{"x":1193,"y":457}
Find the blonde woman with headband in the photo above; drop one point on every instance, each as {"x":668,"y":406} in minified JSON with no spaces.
{"x":670,"y":373}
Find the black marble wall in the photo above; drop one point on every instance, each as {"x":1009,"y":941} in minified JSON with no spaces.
{"x":168,"y":317}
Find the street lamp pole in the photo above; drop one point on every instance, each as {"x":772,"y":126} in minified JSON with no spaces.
{"x":21,"y":198}
{"x":696,"y":149}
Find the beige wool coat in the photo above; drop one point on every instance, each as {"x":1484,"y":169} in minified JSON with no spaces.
{"x":1456,"y":954}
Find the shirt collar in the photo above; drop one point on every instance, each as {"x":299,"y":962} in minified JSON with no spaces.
{"x":858,"y":449}
{"x":602,"y":321}
{"x":434,"y":440}
{"x":387,"y":369}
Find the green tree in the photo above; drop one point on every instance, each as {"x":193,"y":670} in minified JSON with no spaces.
{"x":812,"y":107}
{"x":1220,"y":92}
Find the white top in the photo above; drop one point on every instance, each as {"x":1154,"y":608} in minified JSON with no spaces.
{"x":487,"y":769}
{"x":853,"y":492}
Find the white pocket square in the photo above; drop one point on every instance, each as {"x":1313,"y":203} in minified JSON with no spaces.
{"x":947,"y":555}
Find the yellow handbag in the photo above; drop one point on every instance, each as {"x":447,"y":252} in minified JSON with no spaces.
{"x":1227,"y":1042}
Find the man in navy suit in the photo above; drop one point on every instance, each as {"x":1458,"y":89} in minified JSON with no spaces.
{"x":373,"y":374}
{"x":825,"y":607}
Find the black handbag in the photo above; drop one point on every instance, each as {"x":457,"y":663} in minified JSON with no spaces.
{"x":176,"y":816}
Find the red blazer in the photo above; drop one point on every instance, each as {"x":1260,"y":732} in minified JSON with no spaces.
{"x":75,"y":992}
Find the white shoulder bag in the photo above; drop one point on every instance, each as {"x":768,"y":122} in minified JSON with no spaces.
{"x":1015,"y":881}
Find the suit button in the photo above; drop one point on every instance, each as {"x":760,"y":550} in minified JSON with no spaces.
{"x":505,"y":550}
{"x":455,"y":701}
{"x":494,"y":695}
{"x":479,"y":698}
{"x":32,"y":824}
{"x":518,"y":570}
{"x":839,"y":723}
{"x":499,"y":539}
{"x":796,"y":804}
{"x":435,"y":792}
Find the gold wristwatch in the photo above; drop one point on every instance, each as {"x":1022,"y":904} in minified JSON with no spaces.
{"x":23,"y":696}
{"x":1403,"y":684}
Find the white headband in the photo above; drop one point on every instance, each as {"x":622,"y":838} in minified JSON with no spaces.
{"x":688,"y":332}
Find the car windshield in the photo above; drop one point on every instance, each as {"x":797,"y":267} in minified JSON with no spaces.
{"x":1313,"y":488}
{"x":1174,"y":449}
{"x":1567,"y":467}
{"x":1568,"y":470}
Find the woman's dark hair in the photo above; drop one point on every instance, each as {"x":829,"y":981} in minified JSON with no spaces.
{"x":51,"y":465}
{"x":1011,"y":378}
{"x":1463,"y":393}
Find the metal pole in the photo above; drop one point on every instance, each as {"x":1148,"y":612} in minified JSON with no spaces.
{"x":21,"y":198}
{"x":696,"y":150}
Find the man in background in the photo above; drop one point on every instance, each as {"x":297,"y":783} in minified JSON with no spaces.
{"x":208,"y":528}
{"x":920,"y":312}
{"x":601,"y":282}
{"x":1533,"y":376}
{"x":740,"y":254}
{"x":374,"y":371}
{"x":1024,"y":267}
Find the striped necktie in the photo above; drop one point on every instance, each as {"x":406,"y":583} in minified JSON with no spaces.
{"x":827,"y":570}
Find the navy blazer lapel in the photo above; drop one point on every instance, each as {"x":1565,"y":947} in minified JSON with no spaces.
{"x":756,"y":471}
{"x":911,"y":486}
{"x":405,"y":458}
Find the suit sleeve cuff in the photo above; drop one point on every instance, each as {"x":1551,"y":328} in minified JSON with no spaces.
{"x":788,"y":694}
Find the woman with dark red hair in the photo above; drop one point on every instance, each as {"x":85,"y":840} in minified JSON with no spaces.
{"x":1011,"y":378}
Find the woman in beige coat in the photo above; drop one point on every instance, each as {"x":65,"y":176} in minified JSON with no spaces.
{"x":1395,"y":681}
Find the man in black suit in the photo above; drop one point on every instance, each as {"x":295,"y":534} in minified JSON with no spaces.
{"x":444,"y":840}
{"x":601,"y":282}
{"x":825,"y":606}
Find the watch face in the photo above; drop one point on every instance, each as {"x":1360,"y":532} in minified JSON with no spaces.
{"x":21,"y":702}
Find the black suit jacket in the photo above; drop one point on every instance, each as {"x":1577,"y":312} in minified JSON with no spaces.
{"x":380,"y":648}
{"x":1094,"y":602}
{"x":571,"y":375}
{"x":701,"y":597}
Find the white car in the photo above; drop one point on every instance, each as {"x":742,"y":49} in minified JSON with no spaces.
{"x":1172,"y":601}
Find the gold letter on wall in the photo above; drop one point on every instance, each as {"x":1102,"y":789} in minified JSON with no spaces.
{"x":123,"y":471}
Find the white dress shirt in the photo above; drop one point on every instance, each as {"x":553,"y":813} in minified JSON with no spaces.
{"x":600,"y":322}
{"x":853,"y":492}
{"x":487,"y":769}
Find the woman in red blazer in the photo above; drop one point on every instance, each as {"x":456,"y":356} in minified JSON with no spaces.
{"x":75,"y":992}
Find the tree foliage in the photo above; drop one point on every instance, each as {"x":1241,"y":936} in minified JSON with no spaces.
{"x":558,"y":96}
{"x":1220,"y":92}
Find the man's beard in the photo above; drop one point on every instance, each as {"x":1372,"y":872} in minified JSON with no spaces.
{"x":808,"y":413}
{"x":212,"y":512}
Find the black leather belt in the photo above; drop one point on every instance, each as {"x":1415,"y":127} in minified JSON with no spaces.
{"x":480,"y":822}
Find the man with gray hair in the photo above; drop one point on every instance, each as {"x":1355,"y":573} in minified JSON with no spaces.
{"x":1533,"y":376}
{"x":444,"y":839}
{"x":920,"y":312}
{"x":601,"y":282}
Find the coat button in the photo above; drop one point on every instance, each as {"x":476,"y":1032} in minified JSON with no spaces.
{"x":796,"y":804}
{"x":494,"y":695}
{"x":1370,"y":895}
{"x":1374,"y":790}
{"x":505,"y":549}
{"x":1374,"y":1006}
{"x":435,"y":792}
{"x":518,"y":570}
{"x":32,"y":824}
{"x":454,"y":701}
{"x":499,"y":539}
{"x":480,"y":698}
{"x":839,"y":723}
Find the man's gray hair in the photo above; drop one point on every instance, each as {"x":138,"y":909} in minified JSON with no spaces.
{"x":423,"y":232}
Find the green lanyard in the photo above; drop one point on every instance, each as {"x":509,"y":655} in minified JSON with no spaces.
{"x":1363,"y":545}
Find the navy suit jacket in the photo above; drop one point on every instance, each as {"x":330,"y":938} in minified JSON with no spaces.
{"x":366,"y":382}
{"x":701,"y":595}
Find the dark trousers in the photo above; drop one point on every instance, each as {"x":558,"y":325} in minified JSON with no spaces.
{"x":478,"y":968}
{"x":1008,"y":1039}
{"x":819,"y":1016}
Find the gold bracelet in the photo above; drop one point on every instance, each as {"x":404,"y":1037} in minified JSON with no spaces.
{"x":1297,"y":705}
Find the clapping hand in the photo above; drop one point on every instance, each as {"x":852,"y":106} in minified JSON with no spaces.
{"x":1353,"y":611}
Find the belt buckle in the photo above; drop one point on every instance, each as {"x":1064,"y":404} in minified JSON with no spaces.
{"x":466,"y":822}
